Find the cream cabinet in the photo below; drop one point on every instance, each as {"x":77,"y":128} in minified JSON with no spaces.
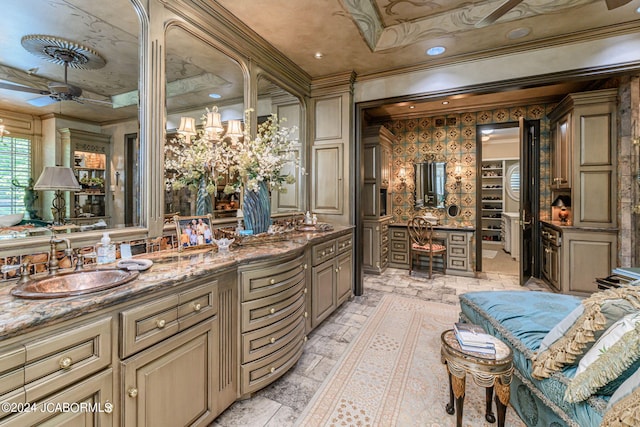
{"x":331,"y":276}
{"x":585,"y":156}
{"x":399,"y":247}
{"x":375,"y":243}
{"x":273,"y":317}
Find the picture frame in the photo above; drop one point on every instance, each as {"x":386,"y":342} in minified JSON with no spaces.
{"x":193,"y":231}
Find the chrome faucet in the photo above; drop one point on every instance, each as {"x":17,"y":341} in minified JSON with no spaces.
{"x":53,"y":259}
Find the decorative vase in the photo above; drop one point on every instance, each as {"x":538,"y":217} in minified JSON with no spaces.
{"x":203,"y":200}
{"x":257,"y":209}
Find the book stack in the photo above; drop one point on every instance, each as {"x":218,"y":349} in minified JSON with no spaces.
{"x":473,"y":338}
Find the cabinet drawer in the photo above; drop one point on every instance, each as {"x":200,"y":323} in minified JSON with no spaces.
{"x":146,"y":325}
{"x":65,"y":357}
{"x":322,"y":252}
{"x":384,"y":227}
{"x":197,"y":304}
{"x":266,"y":311}
{"x":12,"y":361}
{"x":384,"y":239}
{"x":457,"y":251}
{"x":399,"y":257}
{"x":400,"y":246}
{"x":458,"y":238}
{"x":345,"y":243}
{"x":399,"y":234}
{"x":258,"y":374}
{"x":260,"y":283}
{"x":457,"y":263}
{"x":264,"y":341}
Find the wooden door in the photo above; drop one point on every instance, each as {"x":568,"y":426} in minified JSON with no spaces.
{"x":529,"y":198}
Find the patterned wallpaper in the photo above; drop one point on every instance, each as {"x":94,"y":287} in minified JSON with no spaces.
{"x":453,"y":138}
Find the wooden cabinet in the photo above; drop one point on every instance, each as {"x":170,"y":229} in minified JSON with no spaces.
{"x":587,"y":154}
{"x":375,"y":243}
{"x":399,"y":247}
{"x":550,"y":263}
{"x":272,"y":320}
{"x":331,"y":276}
{"x":90,"y":159}
{"x":511,"y":229}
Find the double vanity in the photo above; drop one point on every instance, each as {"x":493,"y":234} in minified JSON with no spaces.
{"x":177,"y":345}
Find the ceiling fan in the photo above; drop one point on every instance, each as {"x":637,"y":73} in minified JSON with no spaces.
{"x":63,"y":52}
{"x":510,"y":4}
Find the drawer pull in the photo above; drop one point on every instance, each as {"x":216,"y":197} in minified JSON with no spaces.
{"x":272,"y":281}
{"x":273,"y":310}
{"x":197,"y":307}
{"x":304,"y":266}
{"x":306,"y":314}
{"x":272,"y":340}
{"x":305,"y":290}
{"x":305,"y":339}
{"x":108,"y":407}
{"x":272,"y":370}
{"x":322,"y":253}
{"x":336,"y":270}
{"x":66,"y":362}
{"x":161,"y":323}
{"x":132,"y":392}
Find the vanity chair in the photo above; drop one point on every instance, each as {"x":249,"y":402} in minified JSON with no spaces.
{"x":421,"y":232}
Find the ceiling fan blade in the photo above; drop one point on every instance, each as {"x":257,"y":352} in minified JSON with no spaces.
{"x":93,"y":101}
{"x":496,"y":14}
{"x":19,"y":88}
{"x":43,"y":101}
{"x":612,"y":4}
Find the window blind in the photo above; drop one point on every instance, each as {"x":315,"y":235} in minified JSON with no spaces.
{"x":15,"y":166}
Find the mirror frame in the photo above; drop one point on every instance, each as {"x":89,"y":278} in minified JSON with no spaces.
{"x":428,"y":165}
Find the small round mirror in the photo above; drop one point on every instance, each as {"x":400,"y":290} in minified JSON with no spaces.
{"x":453,"y":210}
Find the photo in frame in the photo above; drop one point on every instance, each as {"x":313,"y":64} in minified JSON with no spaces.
{"x":193,"y":231}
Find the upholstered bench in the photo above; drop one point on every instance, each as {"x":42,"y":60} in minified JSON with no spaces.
{"x":523,"y":320}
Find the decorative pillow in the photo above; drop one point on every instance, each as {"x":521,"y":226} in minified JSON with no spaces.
{"x":624,"y":406}
{"x":611,"y":360}
{"x":561,"y":328}
{"x":601,"y":310}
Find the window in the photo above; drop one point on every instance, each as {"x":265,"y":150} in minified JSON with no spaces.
{"x":513,"y":181}
{"x":15,"y":167}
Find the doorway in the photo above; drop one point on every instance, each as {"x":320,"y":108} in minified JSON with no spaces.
{"x":499,"y":199}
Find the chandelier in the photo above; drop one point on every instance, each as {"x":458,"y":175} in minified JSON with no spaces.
{"x":214,"y":131}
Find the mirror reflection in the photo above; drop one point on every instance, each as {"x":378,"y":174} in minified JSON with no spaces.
{"x":200,"y":79}
{"x":68,"y":97}
{"x":430,"y":180}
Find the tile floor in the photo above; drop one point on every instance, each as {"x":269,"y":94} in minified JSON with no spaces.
{"x":283,"y":402}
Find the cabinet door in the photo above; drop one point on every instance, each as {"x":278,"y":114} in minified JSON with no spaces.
{"x":344,"y":277}
{"x":385,"y":166}
{"x":153,"y":395}
{"x":323,"y":291}
{"x":561,"y":159}
{"x":95,"y":394}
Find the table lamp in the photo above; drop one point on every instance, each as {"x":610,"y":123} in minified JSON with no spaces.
{"x":58,"y":179}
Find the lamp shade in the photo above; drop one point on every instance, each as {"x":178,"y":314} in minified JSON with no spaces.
{"x":213,"y":123}
{"x":187,"y":126}
{"x":234,"y":129}
{"x":562,"y":202}
{"x":57,"y":178}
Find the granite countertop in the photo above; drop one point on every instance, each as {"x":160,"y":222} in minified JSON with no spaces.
{"x":568,"y":226}
{"x":171,"y":268}
{"x":453,"y":227}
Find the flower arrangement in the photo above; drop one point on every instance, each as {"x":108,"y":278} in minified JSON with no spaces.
{"x":204,"y":159}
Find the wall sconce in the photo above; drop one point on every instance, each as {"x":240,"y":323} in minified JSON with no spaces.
{"x":402,"y":176}
{"x":457,"y":174}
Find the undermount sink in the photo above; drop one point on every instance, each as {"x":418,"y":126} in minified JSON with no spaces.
{"x":73,"y":283}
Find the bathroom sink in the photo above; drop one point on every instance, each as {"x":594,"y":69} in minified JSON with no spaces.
{"x":73,"y":283}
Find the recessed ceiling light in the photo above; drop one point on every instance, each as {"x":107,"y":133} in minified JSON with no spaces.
{"x":412,"y":106}
{"x":518,"y":33}
{"x":487,"y":131}
{"x":318,"y":55}
{"x":445,"y":102}
{"x":215,"y":96}
{"x":436,"y":50}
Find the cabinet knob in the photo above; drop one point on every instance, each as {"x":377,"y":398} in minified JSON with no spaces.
{"x":322,"y":253}
{"x":272,"y":370}
{"x":272,"y":340}
{"x":305,"y":290}
{"x":108,"y":407}
{"x":304,"y":266}
{"x":273,"y":310}
{"x":306,"y":314}
{"x":197,"y":307}
{"x":132,"y":392}
{"x":305,"y":339}
{"x":161,"y":323}
{"x":66,"y":362}
{"x":340,"y":268}
{"x":272,"y":281}
{"x":336,"y":270}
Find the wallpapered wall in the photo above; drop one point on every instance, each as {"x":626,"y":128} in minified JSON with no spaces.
{"x":453,"y":138}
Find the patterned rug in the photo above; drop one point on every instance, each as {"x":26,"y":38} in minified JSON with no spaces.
{"x":392,"y":374}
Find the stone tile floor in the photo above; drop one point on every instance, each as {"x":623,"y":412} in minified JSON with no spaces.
{"x":283,"y":402}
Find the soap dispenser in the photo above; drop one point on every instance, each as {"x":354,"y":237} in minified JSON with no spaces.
{"x":106,"y":251}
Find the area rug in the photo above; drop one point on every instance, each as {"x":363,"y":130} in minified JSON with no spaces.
{"x":488,"y":253}
{"x":392,"y":374}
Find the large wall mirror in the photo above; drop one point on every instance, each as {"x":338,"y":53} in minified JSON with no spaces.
{"x":273,"y":99}
{"x":430,"y":178}
{"x":68,"y":95}
{"x":199,"y":77}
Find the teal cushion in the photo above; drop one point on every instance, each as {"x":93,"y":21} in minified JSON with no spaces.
{"x":623,"y":409}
